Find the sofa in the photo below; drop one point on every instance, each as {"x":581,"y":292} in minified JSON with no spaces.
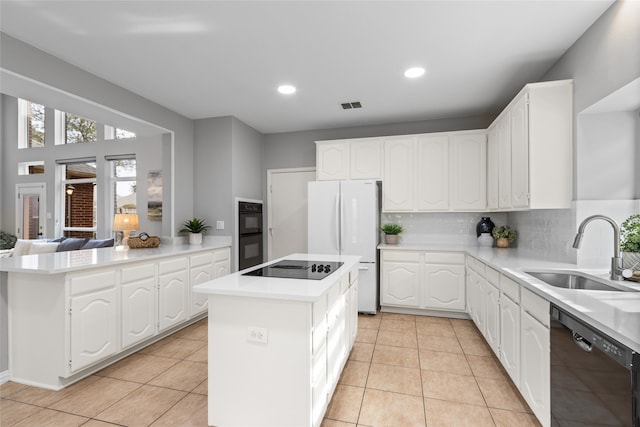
{"x":62,"y":244}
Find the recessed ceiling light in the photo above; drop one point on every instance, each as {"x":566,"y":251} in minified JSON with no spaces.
{"x":414,"y":72}
{"x":286,"y":89}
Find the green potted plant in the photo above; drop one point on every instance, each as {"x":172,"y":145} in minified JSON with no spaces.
{"x":391,"y":232}
{"x":630,"y":242}
{"x":504,"y":235}
{"x":196,"y":228}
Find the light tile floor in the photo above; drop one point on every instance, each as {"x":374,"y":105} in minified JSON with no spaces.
{"x":403,"y":371}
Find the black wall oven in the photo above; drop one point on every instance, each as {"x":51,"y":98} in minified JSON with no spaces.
{"x":250,"y":246}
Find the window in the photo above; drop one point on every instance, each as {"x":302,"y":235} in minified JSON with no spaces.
{"x":111,"y":132}
{"x":123,"y":172}
{"x":80,"y":198}
{"x":72,"y":129}
{"x":31,"y":168}
{"x":30,"y":124}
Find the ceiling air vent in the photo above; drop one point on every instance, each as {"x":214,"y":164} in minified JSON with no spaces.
{"x":350,"y":105}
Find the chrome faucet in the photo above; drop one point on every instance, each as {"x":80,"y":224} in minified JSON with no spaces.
{"x":617,"y":270}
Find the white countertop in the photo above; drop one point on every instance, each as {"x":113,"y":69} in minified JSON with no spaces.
{"x":278,"y":288}
{"x":63,"y":262}
{"x":617,"y":314}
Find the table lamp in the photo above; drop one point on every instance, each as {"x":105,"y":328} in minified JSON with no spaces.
{"x":127,"y":223}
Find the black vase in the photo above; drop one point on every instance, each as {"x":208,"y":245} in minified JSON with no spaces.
{"x":485,"y":225}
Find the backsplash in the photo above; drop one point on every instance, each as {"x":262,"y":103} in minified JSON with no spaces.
{"x":548,"y":233}
{"x":440,"y":228}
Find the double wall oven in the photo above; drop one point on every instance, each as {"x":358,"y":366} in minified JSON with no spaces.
{"x":250,"y":246}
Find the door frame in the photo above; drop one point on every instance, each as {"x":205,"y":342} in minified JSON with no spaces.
{"x":270,"y":173}
{"x":40,"y":189}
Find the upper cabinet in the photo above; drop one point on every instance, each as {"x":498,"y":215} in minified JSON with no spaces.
{"x":530,"y":150}
{"x":349,"y":159}
{"x":435,"y":172}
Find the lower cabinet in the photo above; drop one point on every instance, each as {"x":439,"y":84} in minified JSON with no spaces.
{"x":510,"y":328}
{"x":93,"y":311}
{"x":173,"y":291}
{"x":204,"y":267}
{"x":139,"y":301}
{"x":425,"y":280}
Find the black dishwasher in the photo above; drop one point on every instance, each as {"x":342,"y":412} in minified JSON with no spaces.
{"x":594,"y":378}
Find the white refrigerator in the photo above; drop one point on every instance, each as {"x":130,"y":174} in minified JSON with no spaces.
{"x":344,"y":220}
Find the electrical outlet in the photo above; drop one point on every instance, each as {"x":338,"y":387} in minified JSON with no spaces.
{"x":219,"y":225}
{"x":255,"y":334}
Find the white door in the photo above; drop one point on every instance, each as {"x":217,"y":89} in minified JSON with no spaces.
{"x":359,"y":219}
{"x":399,"y":174}
{"x":324,"y":218}
{"x":433,"y":172}
{"x":30,"y":210}
{"x":287,"y":211}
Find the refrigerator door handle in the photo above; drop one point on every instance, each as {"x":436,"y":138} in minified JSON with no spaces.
{"x":337,"y":227}
{"x":363,"y":268}
{"x":342,"y":224}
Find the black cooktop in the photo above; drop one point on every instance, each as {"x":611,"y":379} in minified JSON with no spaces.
{"x":294,"y":269}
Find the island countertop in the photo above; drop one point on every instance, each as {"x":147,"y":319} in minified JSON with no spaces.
{"x":287,"y":289}
{"x":63,"y":262}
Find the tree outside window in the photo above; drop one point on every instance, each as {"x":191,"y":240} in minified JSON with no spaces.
{"x":31,"y":129}
{"x":78,"y":129}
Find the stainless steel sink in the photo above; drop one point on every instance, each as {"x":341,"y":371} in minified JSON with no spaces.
{"x":574,"y":280}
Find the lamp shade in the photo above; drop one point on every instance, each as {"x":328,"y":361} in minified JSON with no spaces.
{"x":125,"y":222}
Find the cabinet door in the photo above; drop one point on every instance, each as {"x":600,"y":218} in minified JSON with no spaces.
{"x":520,"y":153}
{"x":198,"y":275}
{"x":139,"y":302}
{"x":510,"y":338}
{"x":535,"y":366}
{"x":401,"y":283}
{"x":433,"y":172}
{"x":468,"y":171}
{"x":93,"y":328}
{"x":481,"y":305}
{"x":173,"y":288}
{"x":365,"y":159}
{"x":399,"y":170}
{"x":493,"y":168}
{"x":336,"y":334}
{"x":332,"y":160}
{"x":504,"y":157}
{"x":492,"y":318}
{"x":443,"y":287}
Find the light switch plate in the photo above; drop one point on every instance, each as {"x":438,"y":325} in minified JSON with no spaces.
{"x":219,"y":225}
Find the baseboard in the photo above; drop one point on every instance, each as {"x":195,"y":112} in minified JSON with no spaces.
{"x":4,"y":377}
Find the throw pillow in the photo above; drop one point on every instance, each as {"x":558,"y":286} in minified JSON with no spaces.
{"x":71,"y":244}
{"x":22,"y":247}
{"x":96,"y":243}
{"x":43,"y":248}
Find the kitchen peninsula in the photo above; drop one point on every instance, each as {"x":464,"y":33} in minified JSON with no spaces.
{"x":277,"y":345}
{"x":73,"y":313}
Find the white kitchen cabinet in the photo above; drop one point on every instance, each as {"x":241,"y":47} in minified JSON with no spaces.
{"x":139,"y":303}
{"x":204,"y":267}
{"x":468,"y":171}
{"x":398,"y":188}
{"x":535,"y":156}
{"x":221,"y":263}
{"x":93,"y":318}
{"x":400,"y":278}
{"x":444,"y":287}
{"x":173,"y":288}
{"x":492,"y":316}
{"x":510,"y":332}
{"x":535,"y":367}
{"x":349,"y":159}
{"x":433,"y":172}
{"x":493,"y":168}
{"x":425,"y":280}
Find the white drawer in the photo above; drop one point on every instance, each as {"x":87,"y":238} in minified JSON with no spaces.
{"x":394,"y":255}
{"x":536,"y":306}
{"x":85,"y":283}
{"x":201,"y":259}
{"x":221,"y":255}
{"x":510,"y":288}
{"x":138,"y":272}
{"x":319,"y":336}
{"x":319,"y":310}
{"x":444,"y":258}
{"x":492,"y":276}
{"x":172,"y":264}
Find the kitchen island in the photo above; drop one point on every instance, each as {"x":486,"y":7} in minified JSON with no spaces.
{"x":72,"y":313}
{"x":277,"y":346}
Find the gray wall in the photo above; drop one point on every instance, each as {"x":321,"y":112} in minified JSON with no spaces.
{"x":42,"y":72}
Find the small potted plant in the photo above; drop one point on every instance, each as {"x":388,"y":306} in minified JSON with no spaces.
{"x":504,"y":235}
{"x":196,"y":227}
{"x":391,"y":232}
{"x":630,"y":242}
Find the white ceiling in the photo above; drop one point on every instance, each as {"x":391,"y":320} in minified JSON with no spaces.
{"x":218,"y":58}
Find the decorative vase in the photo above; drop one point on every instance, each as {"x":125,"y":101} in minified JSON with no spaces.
{"x":391,"y":239}
{"x":502,"y":242}
{"x":485,"y":240}
{"x":195,"y":238}
{"x":485,"y":225}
